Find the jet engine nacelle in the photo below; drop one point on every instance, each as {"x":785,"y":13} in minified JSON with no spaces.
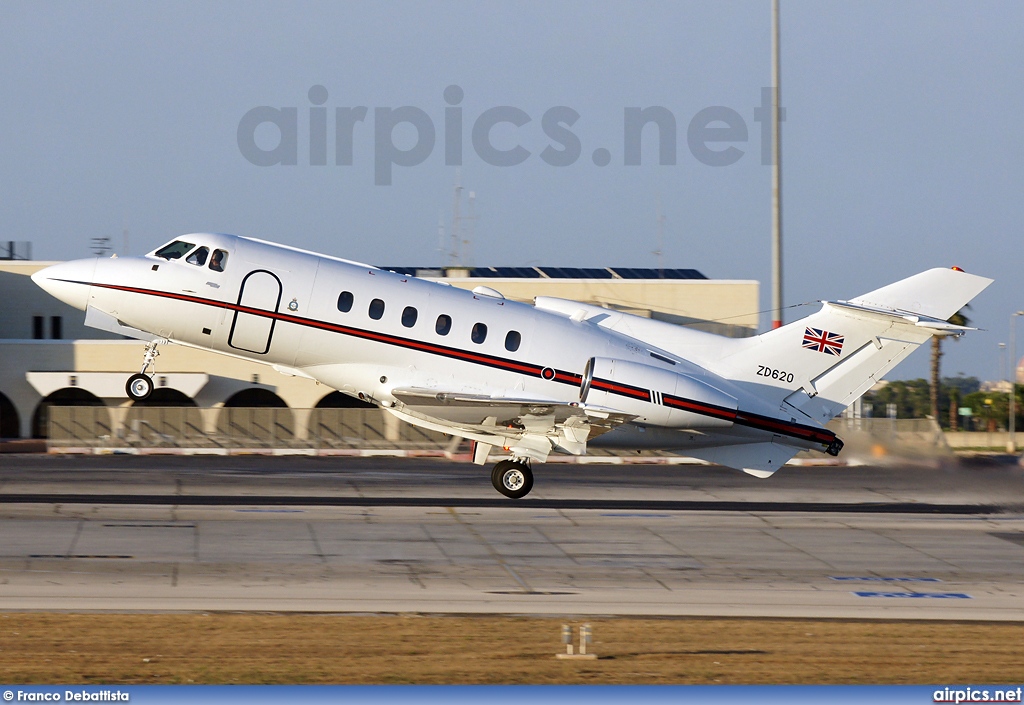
{"x":657,"y":396}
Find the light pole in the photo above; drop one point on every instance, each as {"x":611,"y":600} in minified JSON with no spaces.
{"x":776,"y":174}
{"x":1011,"y":442}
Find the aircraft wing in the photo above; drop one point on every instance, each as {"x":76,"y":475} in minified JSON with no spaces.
{"x":531,"y":426}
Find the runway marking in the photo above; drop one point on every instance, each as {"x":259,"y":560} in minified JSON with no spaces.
{"x":74,"y":540}
{"x":884,"y":580}
{"x":526,"y":589}
{"x":77,"y":555}
{"x":316,"y":543}
{"x":149,"y":526}
{"x":925,"y":595}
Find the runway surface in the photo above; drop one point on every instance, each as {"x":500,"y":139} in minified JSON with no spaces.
{"x":402,"y":535}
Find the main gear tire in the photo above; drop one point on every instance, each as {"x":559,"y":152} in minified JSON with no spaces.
{"x":512,"y":479}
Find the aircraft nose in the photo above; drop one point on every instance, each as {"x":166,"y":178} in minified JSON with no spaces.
{"x":68,"y":281}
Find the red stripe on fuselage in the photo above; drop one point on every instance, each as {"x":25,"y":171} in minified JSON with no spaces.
{"x":752,"y":420}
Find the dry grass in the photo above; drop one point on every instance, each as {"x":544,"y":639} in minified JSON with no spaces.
{"x":281,"y":648}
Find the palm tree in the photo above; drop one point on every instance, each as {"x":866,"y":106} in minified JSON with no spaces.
{"x":957,"y":319}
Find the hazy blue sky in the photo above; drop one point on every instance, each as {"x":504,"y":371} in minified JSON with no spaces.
{"x":903,"y":143}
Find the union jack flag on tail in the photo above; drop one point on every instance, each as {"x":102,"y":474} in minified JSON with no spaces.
{"x":824,"y":342}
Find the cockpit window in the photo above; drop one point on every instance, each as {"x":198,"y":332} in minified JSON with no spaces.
{"x":199,"y":256}
{"x":219,"y":260}
{"x":175,"y":250}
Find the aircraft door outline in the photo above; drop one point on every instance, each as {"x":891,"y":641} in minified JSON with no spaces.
{"x":260,"y":289}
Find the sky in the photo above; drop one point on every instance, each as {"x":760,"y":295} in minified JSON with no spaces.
{"x":902,"y":144}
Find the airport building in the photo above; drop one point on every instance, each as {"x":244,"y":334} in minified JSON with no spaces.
{"x":51,"y":360}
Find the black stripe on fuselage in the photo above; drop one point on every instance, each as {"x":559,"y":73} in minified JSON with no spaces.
{"x":756,"y":421}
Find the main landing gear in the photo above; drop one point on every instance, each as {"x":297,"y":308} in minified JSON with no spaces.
{"x":513,"y":478}
{"x":140,"y":385}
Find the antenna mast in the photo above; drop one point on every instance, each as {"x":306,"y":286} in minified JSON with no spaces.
{"x":456,"y":251}
{"x":660,"y":252}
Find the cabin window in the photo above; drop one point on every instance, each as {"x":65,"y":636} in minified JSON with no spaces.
{"x":345,"y":300}
{"x":199,"y":256}
{"x":443,"y":325}
{"x":409,"y":317}
{"x":37,"y":327}
{"x":175,"y":250}
{"x":376,"y":309}
{"x":479,"y":333}
{"x":512,"y":340}
{"x":56,"y":328}
{"x":219,"y":260}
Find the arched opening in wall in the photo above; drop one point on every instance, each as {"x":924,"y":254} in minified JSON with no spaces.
{"x":167,"y":417}
{"x":253,"y":397}
{"x":255,"y":417}
{"x":337,"y":400}
{"x":71,"y":415}
{"x":166,"y":396}
{"x":341,"y":421}
{"x":10,"y":426}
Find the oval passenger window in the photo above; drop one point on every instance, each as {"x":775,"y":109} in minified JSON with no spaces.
{"x":409,"y":317}
{"x":512,"y":340}
{"x":479,"y":333}
{"x":443,"y":325}
{"x":376,"y":309}
{"x":345,"y":300}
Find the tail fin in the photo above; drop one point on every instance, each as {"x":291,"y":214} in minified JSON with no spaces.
{"x":819,"y":365}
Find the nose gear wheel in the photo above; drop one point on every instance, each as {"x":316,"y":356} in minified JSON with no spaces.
{"x":139,"y":387}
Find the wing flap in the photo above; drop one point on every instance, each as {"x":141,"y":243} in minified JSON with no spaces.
{"x":510,"y":421}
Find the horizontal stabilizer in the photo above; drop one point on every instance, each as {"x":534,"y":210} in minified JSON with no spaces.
{"x":937,"y":293}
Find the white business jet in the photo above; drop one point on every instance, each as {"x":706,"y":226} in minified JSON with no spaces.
{"x":557,"y":376}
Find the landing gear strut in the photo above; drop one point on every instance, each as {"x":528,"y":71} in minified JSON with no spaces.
{"x":513,"y":478}
{"x":140,"y":385}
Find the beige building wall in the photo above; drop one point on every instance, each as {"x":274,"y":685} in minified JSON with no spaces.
{"x":85,"y":362}
{"x":21,"y":299}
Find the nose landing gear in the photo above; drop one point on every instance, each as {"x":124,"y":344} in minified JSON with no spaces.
{"x":140,"y":385}
{"x":513,"y":478}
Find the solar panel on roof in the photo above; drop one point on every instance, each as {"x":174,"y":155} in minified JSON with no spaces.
{"x":563,"y":272}
{"x":525,"y":272}
{"x":626,"y":273}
